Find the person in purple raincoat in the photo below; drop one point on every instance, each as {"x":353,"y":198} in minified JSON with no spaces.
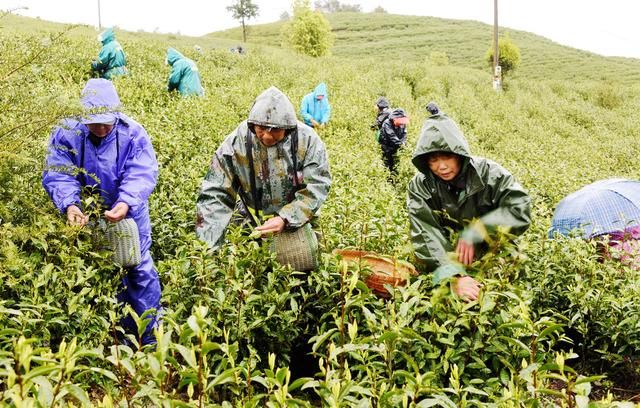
{"x":114,"y":154}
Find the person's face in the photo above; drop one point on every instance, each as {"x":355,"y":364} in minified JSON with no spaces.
{"x":100,"y":129}
{"x":444,"y":165}
{"x":269,"y":136}
{"x":320,"y":97}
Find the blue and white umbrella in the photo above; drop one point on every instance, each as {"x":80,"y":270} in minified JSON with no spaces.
{"x":599,"y":208}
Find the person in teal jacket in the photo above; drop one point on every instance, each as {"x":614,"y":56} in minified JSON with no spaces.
{"x":111,"y":61}
{"x":184,"y":74}
{"x":315,"y":109}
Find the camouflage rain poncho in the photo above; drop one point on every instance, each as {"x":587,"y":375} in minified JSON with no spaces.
{"x":229,"y":171}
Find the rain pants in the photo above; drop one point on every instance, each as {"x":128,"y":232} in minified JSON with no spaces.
{"x":125,"y":164}
{"x":483,"y":190}
{"x":314,"y":108}
{"x":111,"y":61}
{"x":184,"y":74}
{"x":229,"y":171}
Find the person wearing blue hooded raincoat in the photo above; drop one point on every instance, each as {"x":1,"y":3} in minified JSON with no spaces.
{"x":315,"y":109}
{"x":114,"y":154}
{"x":111,"y":61}
{"x":184,"y":74}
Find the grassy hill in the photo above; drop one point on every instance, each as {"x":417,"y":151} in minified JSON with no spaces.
{"x":411,"y":38}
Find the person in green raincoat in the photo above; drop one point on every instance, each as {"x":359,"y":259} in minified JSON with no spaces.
{"x":184,"y":74}
{"x":111,"y":61}
{"x":269,"y":132}
{"x":456,"y":191}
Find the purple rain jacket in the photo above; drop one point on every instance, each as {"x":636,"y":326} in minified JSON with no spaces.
{"x":124,"y":168}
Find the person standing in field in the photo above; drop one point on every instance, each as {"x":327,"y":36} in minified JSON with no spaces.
{"x":184,"y":76}
{"x":383,"y":111}
{"x":276,"y":165}
{"x":111,"y":153}
{"x":315,"y":108}
{"x":393,"y":136}
{"x":111,"y":61}
{"x":454,"y":191}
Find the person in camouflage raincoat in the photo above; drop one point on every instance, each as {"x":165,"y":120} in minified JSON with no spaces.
{"x":456,"y":191}
{"x":270,"y":129}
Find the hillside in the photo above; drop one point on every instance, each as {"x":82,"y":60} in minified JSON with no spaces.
{"x":411,"y":38}
{"x":556,"y":324}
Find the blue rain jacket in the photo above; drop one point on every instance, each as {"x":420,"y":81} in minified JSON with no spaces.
{"x":312,"y":108}
{"x":126,"y":169}
{"x":184,"y":74}
{"x":111,"y":61}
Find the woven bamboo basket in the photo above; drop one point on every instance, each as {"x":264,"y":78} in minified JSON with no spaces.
{"x":378,"y":270}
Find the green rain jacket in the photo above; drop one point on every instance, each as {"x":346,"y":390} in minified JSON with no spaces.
{"x":229,"y":171}
{"x":184,"y":74}
{"x":111,"y":61}
{"x":483,"y":190}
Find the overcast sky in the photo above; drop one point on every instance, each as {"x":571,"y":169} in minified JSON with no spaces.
{"x":608,"y":27}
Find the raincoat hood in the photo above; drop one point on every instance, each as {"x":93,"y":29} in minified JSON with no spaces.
{"x":382,"y":102}
{"x":107,"y":36}
{"x":397,"y":113}
{"x":100,"y":94}
{"x":439,"y":134}
{"x":321,"y":89}
{"x":173,"y":55}
{"x":272,"y":108}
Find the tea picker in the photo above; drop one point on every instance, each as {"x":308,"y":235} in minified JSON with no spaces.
{"x":110,"y":153}
{"x":277,"y":167}
{"x":454,"y":191}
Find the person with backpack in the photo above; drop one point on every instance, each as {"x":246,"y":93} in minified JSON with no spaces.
{"x":393,"y":136}
{"x":315,"y":108}
{"x":184,"y":75}
{"x":110,"y":153}
{"x":456,"y":192}
{"x":111,"y":61}
{"x":273,"y":163}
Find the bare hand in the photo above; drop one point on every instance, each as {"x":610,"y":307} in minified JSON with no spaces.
{"x":467,"y":288}
{"x":314,"y":123}
{"x":274,"y":225}
{"x":76,"y":217}
{"x":465,"y":251}
{"x":117,"y":213}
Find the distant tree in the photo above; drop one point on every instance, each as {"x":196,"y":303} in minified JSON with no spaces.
{"x":439,"y":58}
{"x":508,"y":55}
{"x":309,"y":32}
{"x":334,"y":6}
{"x":243,"y":10}
{"x":379,"y":9}
{"x":284,"y":16}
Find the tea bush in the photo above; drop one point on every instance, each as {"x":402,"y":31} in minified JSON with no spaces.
{"x":550,"y":321}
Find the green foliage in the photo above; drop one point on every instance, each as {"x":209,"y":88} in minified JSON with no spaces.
{"x":551,"y":319}
{"x":308,"y":32}
{"x":508,"y":55}
{"x":438,"y":58}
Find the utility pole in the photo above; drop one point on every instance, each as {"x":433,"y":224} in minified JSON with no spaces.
{"x":99,"y":19}
{"x":497,"y":70}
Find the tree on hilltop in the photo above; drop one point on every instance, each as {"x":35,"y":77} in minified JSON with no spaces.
{"x":508,"y":55}
{"x":334,"y":6}
{"x":243,"y":10}
{"x":309,"y":32}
